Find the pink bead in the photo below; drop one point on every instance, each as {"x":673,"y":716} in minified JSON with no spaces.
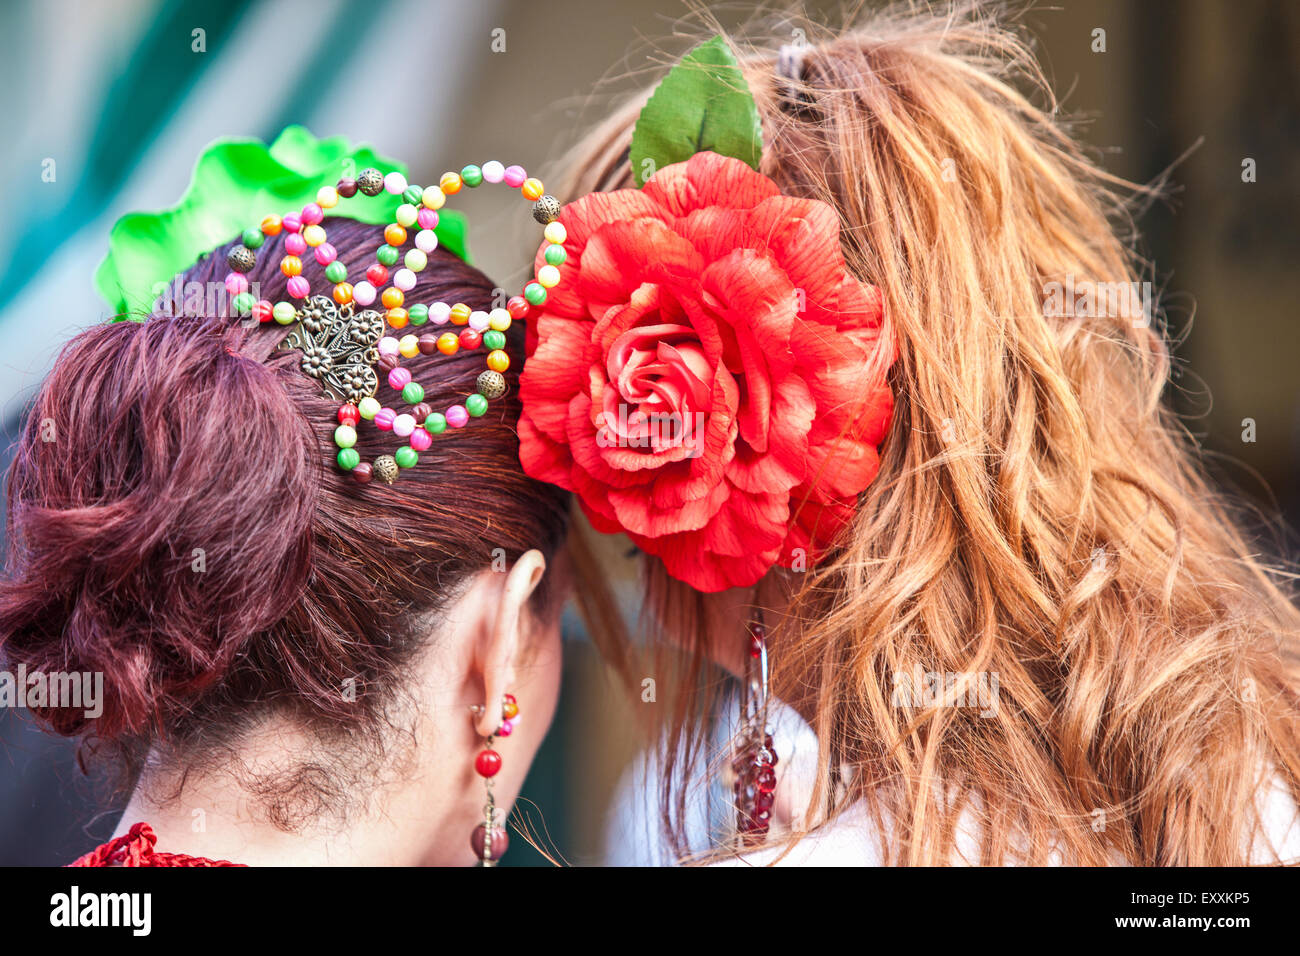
{"x":457,"y":416}
{"x":395,"y":183}
{"x":399,"y":378}
{"x":439,"y":313}
{"x":363,"y":293}
{"x":325,"y":253}
{"x":291,"y":222}
{"x":311,"y":214}
{"x":427,"y":218}
{"x":384,"y":419}
{"x":388,"y":344}
{"x":236,"y":283}
{"x":514,"y":176}
{"x":426,"y":240}
{"x":506,"y":729}
{"x":295,"y":244}
{"x":479,"y":321}
{"x":493,"y":172}
{"x":421,"y":439}
{"x":404,"y":279}
{"x":403,"y":425}
{"x":299,"y":287}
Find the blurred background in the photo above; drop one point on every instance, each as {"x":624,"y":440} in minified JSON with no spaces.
{"x":106,"y":106}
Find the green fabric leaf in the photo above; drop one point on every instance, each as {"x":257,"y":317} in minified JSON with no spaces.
{"x":702,"y":104}
{"x":236,"y":183}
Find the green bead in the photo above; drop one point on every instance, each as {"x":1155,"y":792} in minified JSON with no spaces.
{"x":336,"y":271}
{"x":243,"y":303}
{"x":406,"y":457}
{"x":476,"y":405}
{"x":436,"y":423}
{"x":418,"y":314}
{"x":284,"y":313}
{"x":555,"y":255}
{"x":535,"y":293}
{"x":387,"y":255}
{"x":348,"y":458}
{"x":413,"y":393}
{"x":471,"y":175}
{"x":253,"y":238}
{"x":493,"y":340}
{"x":413,"y":194}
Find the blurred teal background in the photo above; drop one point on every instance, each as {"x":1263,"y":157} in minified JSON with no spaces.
{"x":106,"y":106}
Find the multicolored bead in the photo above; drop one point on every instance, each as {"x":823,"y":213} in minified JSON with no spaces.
{"x":416,"y":216}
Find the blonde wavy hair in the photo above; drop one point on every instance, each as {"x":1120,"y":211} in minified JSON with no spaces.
{"x":1040,"y":514}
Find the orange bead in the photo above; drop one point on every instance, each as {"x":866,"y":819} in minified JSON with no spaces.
{"x":448,"y":343}
{"x":291,"y":266}
{"x":392,"y":297}
{"x":271,"y":226}
{"x":532,"y":189}
{"x":460,"y":313}
{"x":343,"y":293}
{"x":498,"y":361}
{"x":397,"y":318}
{"x":450,"y":183}
{"x":394,"y":234}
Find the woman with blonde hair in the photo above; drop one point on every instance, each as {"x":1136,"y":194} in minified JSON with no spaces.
{"x":976,"y":552}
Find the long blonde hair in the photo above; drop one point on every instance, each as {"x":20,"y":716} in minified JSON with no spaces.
{"x":1040,"y":514}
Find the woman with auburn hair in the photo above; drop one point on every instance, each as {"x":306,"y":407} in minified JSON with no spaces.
{"x":1031,"y":630}
{"x":288,"y":527}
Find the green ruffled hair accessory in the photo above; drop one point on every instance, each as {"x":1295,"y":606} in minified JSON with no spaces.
{"x":236,"y":183}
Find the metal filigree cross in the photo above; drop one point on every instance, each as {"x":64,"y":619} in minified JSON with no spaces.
{"x":338,"y":347}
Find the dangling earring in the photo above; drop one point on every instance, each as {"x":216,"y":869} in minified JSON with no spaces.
{"x":754,"y":759}
{"x":489,"y":838}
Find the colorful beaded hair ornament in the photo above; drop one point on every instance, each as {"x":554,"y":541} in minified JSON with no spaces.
{"x":343,"y":337}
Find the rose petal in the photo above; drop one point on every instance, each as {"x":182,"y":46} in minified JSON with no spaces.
{"x":556,"y":370}
{"x":755,"y":300}
{"x":542,"y":457}
{"x":784,"y":463}
{"x":735,"y":550}
{"x":707,"y":179}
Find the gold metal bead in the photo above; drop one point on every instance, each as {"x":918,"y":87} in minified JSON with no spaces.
{"x":491,"y":384}
{"x":386,"y":469}
{"x":546,"y":209}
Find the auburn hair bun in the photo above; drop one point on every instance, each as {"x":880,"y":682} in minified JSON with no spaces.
{"x":160,"y":516}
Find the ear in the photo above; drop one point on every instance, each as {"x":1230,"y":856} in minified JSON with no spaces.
{"x":505,"y":638}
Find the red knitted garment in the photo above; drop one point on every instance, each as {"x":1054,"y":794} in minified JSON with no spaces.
{"x":136,"y":849}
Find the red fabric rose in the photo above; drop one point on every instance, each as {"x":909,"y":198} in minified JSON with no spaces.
{"x":707,"y":376}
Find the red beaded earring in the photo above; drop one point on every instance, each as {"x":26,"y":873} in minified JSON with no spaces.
{"x":754,"y":760}
{"x":489,"y":839}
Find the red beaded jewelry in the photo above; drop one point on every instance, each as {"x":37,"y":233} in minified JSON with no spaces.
{"x":754,"y":761}
{"x":489,"y":840}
